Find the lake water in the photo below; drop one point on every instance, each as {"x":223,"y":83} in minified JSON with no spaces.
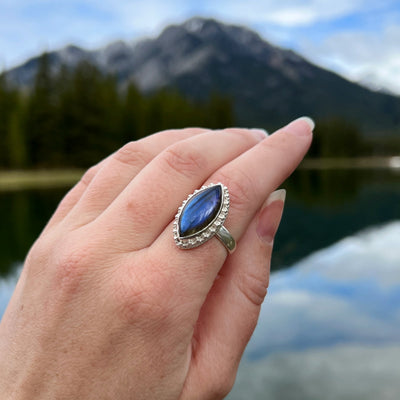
{"x":330,"y":326}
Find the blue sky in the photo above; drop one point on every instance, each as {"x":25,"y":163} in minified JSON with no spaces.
{"x":359,"y":38}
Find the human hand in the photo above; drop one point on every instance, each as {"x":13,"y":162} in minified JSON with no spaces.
{"x":108,"y":307}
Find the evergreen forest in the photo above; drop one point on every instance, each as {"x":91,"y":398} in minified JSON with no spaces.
{"x":76,"y":117}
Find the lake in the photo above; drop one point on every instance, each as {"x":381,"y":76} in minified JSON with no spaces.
{"x":330,"y":326}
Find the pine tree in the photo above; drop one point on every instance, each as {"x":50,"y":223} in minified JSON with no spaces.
{"x":10,"y":111}
{"x":40,"y":122}
{"x":16,"y":142}
{"x":219,"y":112}
{"x":132,"y":114}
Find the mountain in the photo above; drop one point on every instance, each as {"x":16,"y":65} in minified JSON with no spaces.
{"x":268,"y":85}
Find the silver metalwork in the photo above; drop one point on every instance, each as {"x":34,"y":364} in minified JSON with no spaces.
{"x":214,"y":228}
{"x":226,"y":238}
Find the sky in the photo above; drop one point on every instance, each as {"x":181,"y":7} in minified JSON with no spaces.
{"x":360,"y":39}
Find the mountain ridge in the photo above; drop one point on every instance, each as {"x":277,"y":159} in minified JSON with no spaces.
{"x":268,"y":85}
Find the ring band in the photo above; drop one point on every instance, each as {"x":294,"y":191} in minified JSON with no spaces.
{"x":226,"y":239}
{"x":201,"y":216}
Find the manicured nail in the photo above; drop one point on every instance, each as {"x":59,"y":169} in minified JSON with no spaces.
{"x":259,"y":134}
{"x":262,"y":131}
{"x":302,"y":126}
{"x":270,"y":216}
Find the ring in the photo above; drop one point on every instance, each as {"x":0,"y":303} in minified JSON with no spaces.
{"x":201,"y":216}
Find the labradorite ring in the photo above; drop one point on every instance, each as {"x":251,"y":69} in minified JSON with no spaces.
{"x":201,"y":216}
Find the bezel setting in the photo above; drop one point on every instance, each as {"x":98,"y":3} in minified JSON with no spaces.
{"x":205,"y":234}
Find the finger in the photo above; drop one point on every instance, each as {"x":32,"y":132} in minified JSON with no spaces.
{"x":148,"y":203}
{"x":278,"y":155}
{"x":119,"y":169}
{"x":230,"y":312}
{"x":73,"y":196}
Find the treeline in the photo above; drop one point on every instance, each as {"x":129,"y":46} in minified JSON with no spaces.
{"x":73,"y":118}
{"x":338,"y":137}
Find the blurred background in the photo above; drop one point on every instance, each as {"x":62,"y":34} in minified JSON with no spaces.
{"x":81,"y":78}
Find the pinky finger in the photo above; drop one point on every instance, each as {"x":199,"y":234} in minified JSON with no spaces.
{"x":230,"y":313}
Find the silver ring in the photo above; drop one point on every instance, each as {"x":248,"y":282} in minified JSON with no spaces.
{"x":201,"y":216}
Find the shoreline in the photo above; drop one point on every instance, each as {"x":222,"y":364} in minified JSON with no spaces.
{"x":392,"y":162}
{"x":38,"y":179}
{"x":60,"y":178}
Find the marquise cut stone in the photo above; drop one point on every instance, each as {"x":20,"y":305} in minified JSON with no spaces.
{"x":200,"y":211}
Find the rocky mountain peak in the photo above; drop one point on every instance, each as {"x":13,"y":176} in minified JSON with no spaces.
{"x":267,"y":84}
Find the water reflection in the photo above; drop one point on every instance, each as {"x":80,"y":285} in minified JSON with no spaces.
{"x":23,"y":216}
{"x":330,"y":328}
{"x":322,"y":207}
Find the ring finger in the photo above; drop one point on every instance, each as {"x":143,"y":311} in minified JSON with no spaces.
{"x":146,"y":206}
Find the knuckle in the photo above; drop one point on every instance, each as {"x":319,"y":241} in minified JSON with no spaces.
{"x":70,"y":266}
{"x":134,"y":302}
{"x":196,"y":130}
{"x":133,"y":153}
{"x":37,"y":257}
{"x":281,"y":149}
{"x":243,"y":135}
{"x":253,"y":287}
{"x":184,"y":159}
{"x":144,"y":298}
{"x":89,"y":175}
{"x":279,"y":144}
{"x":189,"y":131}
{"x":240,"y":186}
{"x":136,"y":208}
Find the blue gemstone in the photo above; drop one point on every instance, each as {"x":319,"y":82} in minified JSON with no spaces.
{"x":200,"y":211}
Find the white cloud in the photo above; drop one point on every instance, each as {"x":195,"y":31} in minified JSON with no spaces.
{"x":336,"y":373}
{"x":143,"y":16}
{"x":344,"y":293}
{"x":369,"y":57}
{"x":370,"y":255}
{"x":292,"y":13}
{"x":87,"y":23}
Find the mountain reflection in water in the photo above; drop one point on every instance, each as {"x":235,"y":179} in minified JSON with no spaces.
{"x":330,"y":326}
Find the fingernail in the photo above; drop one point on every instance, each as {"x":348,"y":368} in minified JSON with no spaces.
{"x":302,"y":126}
{"x":270,"y":216}
{"x":262,"y":132}
{"x":259,"y":134}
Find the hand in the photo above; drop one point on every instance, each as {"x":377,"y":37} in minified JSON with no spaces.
{"x":108,"y":307}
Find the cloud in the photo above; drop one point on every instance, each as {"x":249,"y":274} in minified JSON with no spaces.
{"x":346,"y":293}
{"x":334,"y":34}
{"x":336,"y":373}
{"x":370,"y":255}
{"x":292,"y":13}
{"x":362,"y":55}
{"x":27,"y":28}
{"x":359,"y":39}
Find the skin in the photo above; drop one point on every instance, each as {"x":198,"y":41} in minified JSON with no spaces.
{"x":108,"y":307}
